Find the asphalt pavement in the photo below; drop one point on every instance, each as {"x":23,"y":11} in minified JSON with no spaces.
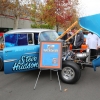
{"x":20,"y":86}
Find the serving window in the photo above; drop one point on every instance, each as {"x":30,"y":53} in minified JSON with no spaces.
{"x":10,"y":40}
{"x":20,"y":39}
{"x":15,"y":40}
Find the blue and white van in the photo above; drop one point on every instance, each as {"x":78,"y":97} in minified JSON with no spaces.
{"x":21,"y":53}
{"x":21,"y":49}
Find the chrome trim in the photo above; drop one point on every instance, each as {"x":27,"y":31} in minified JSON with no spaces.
{"x":68,"y":73}
{"x":32,"y":53}
{"x":10,"y":60}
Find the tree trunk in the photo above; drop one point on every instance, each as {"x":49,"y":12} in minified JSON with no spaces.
{"x":16,"y":20}
{"x":57,"y":27}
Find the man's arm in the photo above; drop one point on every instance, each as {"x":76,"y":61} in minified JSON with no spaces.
{"x":81,"y":39}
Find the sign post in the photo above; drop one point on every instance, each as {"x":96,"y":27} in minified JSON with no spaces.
{"x":50,"y":57}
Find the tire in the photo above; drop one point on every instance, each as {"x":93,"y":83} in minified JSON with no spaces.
{"x":70,"y":72}
{"x":1,"y":65}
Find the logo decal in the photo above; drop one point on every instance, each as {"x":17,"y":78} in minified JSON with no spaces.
{"x":26,"y":62}
{"x":50,"y":48}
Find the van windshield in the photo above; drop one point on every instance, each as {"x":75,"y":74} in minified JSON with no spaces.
{"x":48,"y":36}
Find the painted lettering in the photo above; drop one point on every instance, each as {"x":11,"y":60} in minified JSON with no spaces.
{"x":50,"y":50}
{"x":25,"y":63}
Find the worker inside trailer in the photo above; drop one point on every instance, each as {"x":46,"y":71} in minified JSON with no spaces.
{"x":82,"y":37}
{"x":65,"y":34}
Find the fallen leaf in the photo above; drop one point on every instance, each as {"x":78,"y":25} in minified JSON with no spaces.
{"x":65,"y":89}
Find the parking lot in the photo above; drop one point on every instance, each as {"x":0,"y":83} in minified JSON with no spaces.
{"x":19,"y":86}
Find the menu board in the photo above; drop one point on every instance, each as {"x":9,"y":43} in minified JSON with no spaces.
{"x":50,"y":55}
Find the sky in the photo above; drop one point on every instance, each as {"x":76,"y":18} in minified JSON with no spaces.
{"x":85,"y":7}
{"x":88,"y":7}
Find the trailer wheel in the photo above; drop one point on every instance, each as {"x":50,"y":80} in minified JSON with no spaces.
{"x":1,"y":65}
{"x":70,"y":72}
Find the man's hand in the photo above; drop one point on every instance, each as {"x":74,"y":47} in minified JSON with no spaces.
{"x":98,"y":47}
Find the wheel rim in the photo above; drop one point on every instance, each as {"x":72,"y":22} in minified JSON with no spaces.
{"x":68,"y":73}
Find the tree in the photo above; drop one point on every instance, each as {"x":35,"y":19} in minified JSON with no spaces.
{"x":58,"y":13}
{"x":3,"y":5}
{"x":37,"y":9}
{"x":16,"y":8}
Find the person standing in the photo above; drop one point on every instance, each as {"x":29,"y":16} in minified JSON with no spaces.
{"x":92,"y":44}
{"x":78,"y":39}
{"x":98,"y":48}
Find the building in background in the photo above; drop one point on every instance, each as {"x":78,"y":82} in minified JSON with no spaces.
{"x":6,"y":23}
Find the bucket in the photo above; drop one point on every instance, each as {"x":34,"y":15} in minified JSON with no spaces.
{"x":96,"y":63}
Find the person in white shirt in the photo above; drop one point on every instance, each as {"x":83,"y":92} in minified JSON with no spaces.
{"x":92,"y":43}
{"x":98,"y":48}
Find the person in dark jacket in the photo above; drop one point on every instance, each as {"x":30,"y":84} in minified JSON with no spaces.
{"x":78,"y":39}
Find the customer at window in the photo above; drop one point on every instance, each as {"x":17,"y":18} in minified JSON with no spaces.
{"x":92,"y":43}
{"x":78,"y":39}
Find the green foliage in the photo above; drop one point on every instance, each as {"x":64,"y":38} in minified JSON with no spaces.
{"x":46,"y":26}
{"x":38,"y":17}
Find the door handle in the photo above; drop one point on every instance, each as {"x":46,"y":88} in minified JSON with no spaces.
{"x":8,"y":51}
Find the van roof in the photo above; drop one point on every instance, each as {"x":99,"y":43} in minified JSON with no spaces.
{"x":28,"y":30}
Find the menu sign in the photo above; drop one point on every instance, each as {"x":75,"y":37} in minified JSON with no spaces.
{"x":50,"y":55}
